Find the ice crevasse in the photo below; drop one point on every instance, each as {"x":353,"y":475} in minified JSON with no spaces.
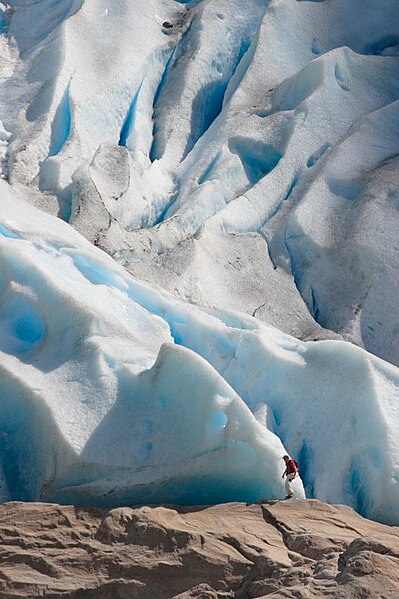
{"x":113,"y":391}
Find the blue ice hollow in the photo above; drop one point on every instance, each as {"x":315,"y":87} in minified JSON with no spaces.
{"x":4,"y":232}
{"x":61,"y":125}
{"x":258,"y":158}
{"x":22,"y":328}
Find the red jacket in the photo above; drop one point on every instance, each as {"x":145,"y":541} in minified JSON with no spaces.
{"x":291,"y":468}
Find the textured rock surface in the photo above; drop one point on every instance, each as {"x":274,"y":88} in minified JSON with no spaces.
{"x":276,"y":549}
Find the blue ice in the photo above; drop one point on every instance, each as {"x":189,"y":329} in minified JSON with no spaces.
{"x":22,"y":327}
{"x":7,"y":233}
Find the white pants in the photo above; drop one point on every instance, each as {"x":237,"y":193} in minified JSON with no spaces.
{"x":288,"y":487}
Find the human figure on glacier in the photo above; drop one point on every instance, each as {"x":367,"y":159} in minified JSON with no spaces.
{"x":290,"y":472}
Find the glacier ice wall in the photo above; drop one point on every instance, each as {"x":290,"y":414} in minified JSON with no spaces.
{"x":242,"y":158}
{"x":113,"y":391}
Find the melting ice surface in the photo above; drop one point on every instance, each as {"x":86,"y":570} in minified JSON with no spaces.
{"x":240,"y":170}
{"x":113,"y":391}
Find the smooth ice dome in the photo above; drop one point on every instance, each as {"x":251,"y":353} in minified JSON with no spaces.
{"x":199,"y":251}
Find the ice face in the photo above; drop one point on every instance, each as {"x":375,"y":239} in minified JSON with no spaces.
{"x":114,"y":391}
{"x":236,"y":156}
{"x":102,"y":402}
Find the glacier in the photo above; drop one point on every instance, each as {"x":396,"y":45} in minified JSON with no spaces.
{"x":199,"y":251}
{"x":114,"y":391}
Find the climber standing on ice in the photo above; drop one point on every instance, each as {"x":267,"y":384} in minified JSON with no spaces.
{"x":290,"y":472}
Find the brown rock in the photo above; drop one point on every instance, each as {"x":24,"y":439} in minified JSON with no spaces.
{"x":298,"y":548}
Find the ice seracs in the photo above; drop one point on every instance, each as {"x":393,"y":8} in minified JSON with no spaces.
{"x":215,"y":127}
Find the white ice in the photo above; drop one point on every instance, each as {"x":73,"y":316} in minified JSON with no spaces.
{"x":114,"y":391}
{"x":191,"y":153}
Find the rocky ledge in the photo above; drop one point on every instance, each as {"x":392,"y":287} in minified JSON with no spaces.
{"x":296,"y":548}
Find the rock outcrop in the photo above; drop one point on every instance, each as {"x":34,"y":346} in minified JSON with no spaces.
{"x":296,"y":548}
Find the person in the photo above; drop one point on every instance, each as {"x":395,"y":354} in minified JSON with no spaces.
{"x":290,"y":472}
